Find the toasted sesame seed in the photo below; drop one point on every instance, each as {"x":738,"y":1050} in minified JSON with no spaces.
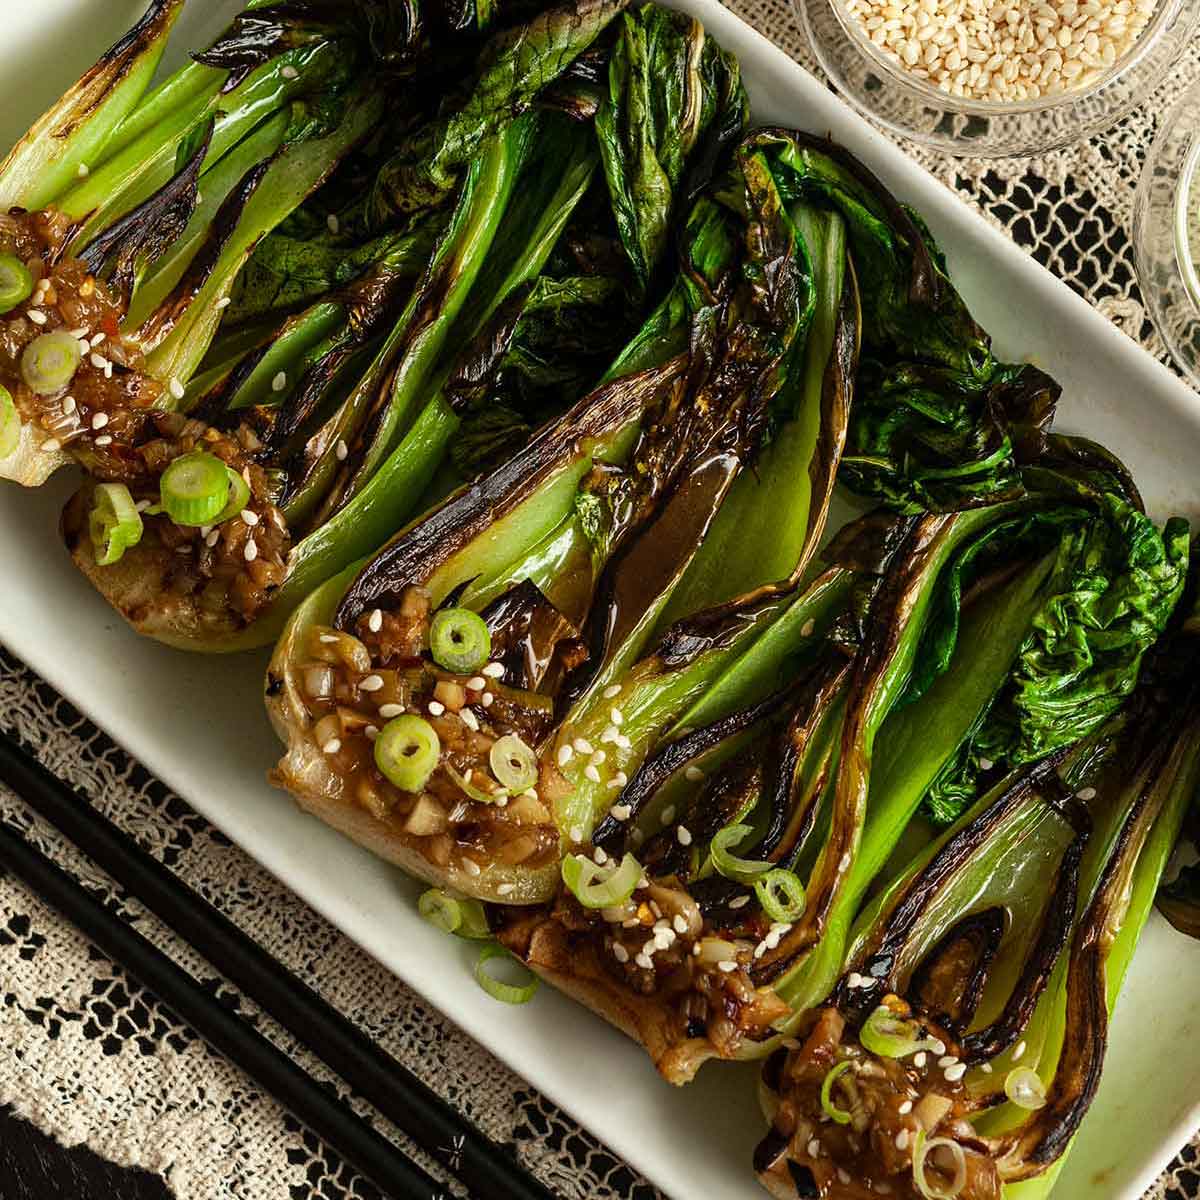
{"x":727,"y":966}
{"x":582,"y":746}
{"x":332,"y":746}
{"x":342,"y":451}
{"x":493,"y":670}
{"x":279,"y":382}
{"x":683,"y":835}
{"x":37,"y":316}
{"x":620,"y":953}
{"x":69,"y":405}
{"x":249,"y":516}
{"x":739,"y":901}
{"x":1018,"y":1052}
{"x":565,"y":754}
{"x":905,"y":1108}
{"x":472,"y":867}
{"x":693,"y":774}
{"x":104,"y":439}
{"x":613,"y":689}
{"x":813,"y":1148}
{"x":100,"y":420}
{"x":487,"y":699}
{"x":436,"y":708}
{"x":375,"y":620}
{"x":668,"y":814}
{"x":251,"y":551}
{"x":955,"y":1073}
{"x":469,"y":719}
{"x":1087,"y":793}
{"x":644,"y":961}
{"x":388,"y":711}
{"x":50,"y":445}
{"x":370,"y":683}
{"x":806,"y":630}
{"x":177,"y":389}
{"x":224,"y":302}
{"x":213,"y":538}
{"x":902,"y":1139}
{"x":592,"y":773}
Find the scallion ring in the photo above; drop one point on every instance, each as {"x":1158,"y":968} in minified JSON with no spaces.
{"x":507,"y":993}
{"x":195,"y":489}
{"x":114,"y":523}
{"x":16,"y":283}
{"x":921,"y":1150}
{"x":514,"y":764}
{"x":740,"y":870}
{"x":49,"y":362}
{"x":831,"y":1110}
{"x":781,"y":895}
{"x":476,"y":793}
{"x":451,"y":914}
{"x":10,"y":423}
{"x":459,"y":640}
{"x":889,"y":1036}
{"x":1024,"y":1087}
{"x":601,"y":887}
{"x":407,"y":752}
{"x":239,"y":497}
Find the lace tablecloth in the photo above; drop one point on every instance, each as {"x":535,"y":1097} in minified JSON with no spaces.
{"x":90,"y":1058}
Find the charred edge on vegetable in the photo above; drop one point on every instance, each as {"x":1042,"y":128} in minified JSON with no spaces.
{"x":609,"y":835}
{"x":887,"y":620}
{"x":1064,"y":452}
{"x":418,"y":552}
{"x":117,"y":61}
{"x":149,"y":229}
{"x":948,"y":983}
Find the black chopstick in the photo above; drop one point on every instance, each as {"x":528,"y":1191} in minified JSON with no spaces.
{"x":485,"y":1168}
{"x":308,"y":1101}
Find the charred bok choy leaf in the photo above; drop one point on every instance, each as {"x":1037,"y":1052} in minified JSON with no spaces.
{"x":565,"y":554}
{"x":768,"y":808}
{"x":339,"y":425}
{"x":131,"y":213}
{"x":965,"y":1042}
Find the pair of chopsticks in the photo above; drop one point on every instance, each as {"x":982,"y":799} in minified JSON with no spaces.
{"x":486,"y":1169}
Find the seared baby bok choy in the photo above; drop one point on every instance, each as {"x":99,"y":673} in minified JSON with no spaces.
{"x":423,"y":698}
{"x":375,"y":397}
{"x":776,"y":751}
{"x":128,"y":212}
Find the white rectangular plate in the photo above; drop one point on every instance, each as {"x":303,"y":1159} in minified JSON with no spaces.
{"x":199,"y":723}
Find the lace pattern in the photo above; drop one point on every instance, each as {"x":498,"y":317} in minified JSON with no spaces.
{"x":91,"y":1058}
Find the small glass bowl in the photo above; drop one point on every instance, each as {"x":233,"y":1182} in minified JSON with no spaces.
{"x":879,"y":87}
{"x":1166,"y":233}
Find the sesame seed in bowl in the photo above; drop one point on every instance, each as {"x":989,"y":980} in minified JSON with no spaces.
{"x":997,"y":78}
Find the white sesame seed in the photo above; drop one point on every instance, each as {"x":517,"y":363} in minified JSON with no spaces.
{"x":213,"y":538}
{"x":739,"y":902}
{"x":98,"y":339}
{"x":621,"y":812}
{"x":372,"y":732}
{"x":600,"y":857}
{"x":565,"y":754}
{"x":99,"y":361}
{"x":84,"y":346}
{"x":487,"y":699}
{"x":493,"y":670}
{"x":332,"y":746}
{"x":947,"y":1060}
{"x":806,"y":630}
{"x":370,"y":683}
{"x":598,"y":758}
{"x":620,"y":953}
{"x":613,"y":689}
{"x":108,"y":370}
{"x":476,"y":683}
{"x":100,"y":420}
{"x":937,"y":1045}
{"x":902,"y":1139}
{"x":292,"y":73}
{"x":644,"y":962}
{"x":279,"y":382}
{"x":472,"y":867}
{"x":334,"y":224}
{"x":375,"y":620}
{"x":919,"y":1060}
{"x":104,"y":439}
{"x":249,"y":516}
{"x":854,"y":980}
{"x":955,"y":1073}
{"x":37,"y":316}
{"x":668,"y":814}
{"x":82,"y":172}
{"x":1087,"y":793}
{"x":50,"y":445}
{"x":251,"y":551}
{"x":813,"y":1148}
{"x":342,"y":451}
{"x":617,"y":716}
{"x":436,"y":708}
{"x":505,"y":889}
{"x":1018,"y":1052}
{"x":609,"y":736}
{"x":176,"y":389}
{"x":388,"y":711}
{"x":683,"y":835}
{"x":693,"y":774}
{"x":69,"y":405}
{"x":986,"y":1068}
{"x":622,"y":742}
{"x":986,"y":764}
{"x":592,"y":773}
{"x":224,"y":302}
{"x":582,"y":746}
{"x":905,"y":1108}
{"x":727,"y":966}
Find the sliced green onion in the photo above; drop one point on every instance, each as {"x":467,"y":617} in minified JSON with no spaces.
{"x":781,"y":895}
{"x":513,"y":763}
{"x":16,"y":283}
{"x":508,"y":993}
{"x":1024,"y":1087}
{"x":195,"y":488}
{"x":921,"y":1150}
{"x":49,"y":362}
{"x":440,"y":910}
{"x":888,"y":1035}
{"x":114,"y":522}
{"x":832,"y":1111}
{"x":10,"y":423}
{"x":740,"y":870}
{"x":459,"y":640}
{"x":476,"y":793}
{"x":601,"y":887}
{"x":407,"y":751}
{"x":239,"y":497}
{"x":454,"y":914}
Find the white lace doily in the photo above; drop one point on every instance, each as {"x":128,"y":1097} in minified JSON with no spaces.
{"x":90,"y":1058}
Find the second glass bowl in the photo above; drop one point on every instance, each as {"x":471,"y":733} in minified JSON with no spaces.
{"x":914,"y":108}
